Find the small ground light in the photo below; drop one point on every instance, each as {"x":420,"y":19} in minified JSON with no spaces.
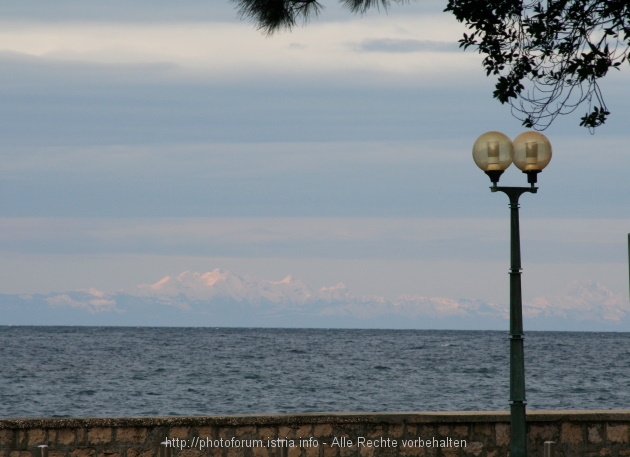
{"x":165,"y":449}
{"x":548,"y":448}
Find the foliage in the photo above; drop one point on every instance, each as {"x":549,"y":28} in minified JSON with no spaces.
{"x":273,"y":15}
{"x":548,"y":55}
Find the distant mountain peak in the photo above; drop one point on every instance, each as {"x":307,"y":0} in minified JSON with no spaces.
{"x":225,"y":284}
{"x":287,"y":280}
{"x":591,"y":290}
{"x":583,"y":300}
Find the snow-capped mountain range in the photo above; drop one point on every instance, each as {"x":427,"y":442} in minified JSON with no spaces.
{"x":224,"y":284}
{"x":222,"y":298}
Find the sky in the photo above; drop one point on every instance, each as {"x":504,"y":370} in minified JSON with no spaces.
{"x":147,"y":139}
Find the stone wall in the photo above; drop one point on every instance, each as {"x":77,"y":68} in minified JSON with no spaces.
{"x":458,"y":434}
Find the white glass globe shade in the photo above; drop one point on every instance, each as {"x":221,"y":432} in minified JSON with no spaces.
{"x":493,"y":151}
{"x":532,"y":151}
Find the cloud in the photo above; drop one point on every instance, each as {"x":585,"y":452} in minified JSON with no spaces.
{"x":546,"y":241}
{"x":228,"y":50}
{"x":92,"y":300}
{"x":406,"y":45}
{"x":118,"y":10}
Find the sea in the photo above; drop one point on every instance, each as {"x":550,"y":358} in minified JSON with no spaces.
{"x":141,"y":371}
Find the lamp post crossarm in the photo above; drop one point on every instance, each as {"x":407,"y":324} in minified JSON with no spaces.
{"x":514,"y":192}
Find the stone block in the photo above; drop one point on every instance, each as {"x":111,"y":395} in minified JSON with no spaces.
{"x":131,"y":435}
{"x":395,"y":431}
{"x":260,"y":452}
{"x":322,"y":431}
{"x":65,"y":436}
{"x":139,"y":452}
{"x":475,"y":448}
{"x":229,"y":433}
{"x":412,"y":430}
{"x":444,"y":430}
{"x":330,"y":451}
{"x":6,"y":437}
{"x":286,"y":432}
{"x":245,"y":432}
{"x":194,"y":452}
{"x":617,"y":433}
{"x":449,"y":452}
{"x":376,"y":432}
{"x":460,"y":431}
{"x":482,"y":429}
{"x":387,"y":452}
{"x":304,"y":432}
{"x":267,"y":433}
{"x":604,"y":452}
{"x":98,"y":435}
{"x":571,"y":433}
{"x":492,"y":453}
{"x":20,"y":454}
{"x":502,"y":434}
{"x":205,"y":432}
{"x":624,"y":452}
{"x":594,"y":435}
{"x":55,"y":453}
{"x":181,"y":432}
{"x":365,"y":451}
{"x":426,"y":431}
{"x":36,"y":436}
{"x":542,"y":432}
{"x":82,"y":452}
{"x":347,"y":451}
{"x":294,"y":452}
{"x":108,"y":453}
{"x":412,"y":451}
{"x":312,"y":451}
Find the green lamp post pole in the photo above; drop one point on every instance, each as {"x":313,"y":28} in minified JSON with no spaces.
{"x":493,"y":152}
{"x":518,"y":441}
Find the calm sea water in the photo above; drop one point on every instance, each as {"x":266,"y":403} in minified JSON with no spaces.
{"x":114,"y":372}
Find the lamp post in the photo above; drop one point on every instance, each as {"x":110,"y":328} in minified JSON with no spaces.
{"x":493,"y":152}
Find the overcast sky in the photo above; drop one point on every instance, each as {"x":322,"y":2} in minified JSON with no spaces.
{"x":141,"y":140}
